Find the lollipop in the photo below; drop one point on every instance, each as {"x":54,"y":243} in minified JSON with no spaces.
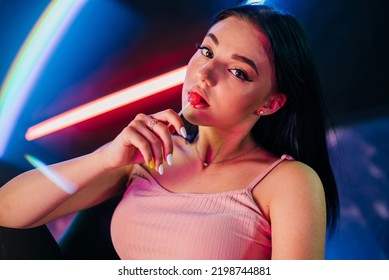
{"x":194,"y":98}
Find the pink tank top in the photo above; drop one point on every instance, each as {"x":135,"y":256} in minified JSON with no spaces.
{"x":153,"y":223}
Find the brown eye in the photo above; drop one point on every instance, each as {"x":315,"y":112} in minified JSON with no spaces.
{"x":240,"y":74}
{"x":205,"y":51}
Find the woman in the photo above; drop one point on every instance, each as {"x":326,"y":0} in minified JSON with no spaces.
{"x":252,"y":182}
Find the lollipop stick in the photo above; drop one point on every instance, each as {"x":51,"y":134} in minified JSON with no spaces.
{"x":183,"y":109}
{"x":171,"y":128}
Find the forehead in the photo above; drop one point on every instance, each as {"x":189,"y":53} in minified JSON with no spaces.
{"x":241,"y":36}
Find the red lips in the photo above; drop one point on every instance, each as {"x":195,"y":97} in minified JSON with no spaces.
{"x":197,"y":100}
{"x":194,"y":98}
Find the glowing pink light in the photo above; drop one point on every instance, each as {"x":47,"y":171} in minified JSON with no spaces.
{"x":107,"y":103}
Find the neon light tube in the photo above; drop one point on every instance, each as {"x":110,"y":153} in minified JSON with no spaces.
{"x":259,"y":2}
{"x":107,"y":103}
{"x":30,"y":61}
{"x":53,"y":176}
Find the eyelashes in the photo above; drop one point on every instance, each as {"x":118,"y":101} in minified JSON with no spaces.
{"x":205,"y":51}
{"x":240,"y":74}
{"x":237,"y":72}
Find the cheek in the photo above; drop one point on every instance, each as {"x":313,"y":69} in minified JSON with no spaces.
{"x":263,"y":90}
{"x":192,"y":64}
{"x":245,"y":100}
{"x":235,"y":101}
{"x":190,"y":71}
{"x":190,"y":78}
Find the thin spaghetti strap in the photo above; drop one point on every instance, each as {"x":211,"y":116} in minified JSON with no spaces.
{"x":267,"y":171}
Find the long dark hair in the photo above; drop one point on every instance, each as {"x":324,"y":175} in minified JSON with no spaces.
{"x":299,"y":127}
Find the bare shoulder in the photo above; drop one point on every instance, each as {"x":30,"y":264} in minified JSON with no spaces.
{"x":293,"y":197}
{"x":299,"y":180}
{"x":295,"y":174}
{"x":290,"y":184}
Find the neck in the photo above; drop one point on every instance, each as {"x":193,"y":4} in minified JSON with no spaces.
{"x":215,"y":146}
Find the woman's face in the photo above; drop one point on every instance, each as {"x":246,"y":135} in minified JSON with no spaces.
{"x":233,"y":74}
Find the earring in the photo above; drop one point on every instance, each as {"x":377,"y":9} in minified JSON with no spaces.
{"x":261,"y":112}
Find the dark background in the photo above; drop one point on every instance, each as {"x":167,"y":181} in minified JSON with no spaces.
{"x":113,"y":44}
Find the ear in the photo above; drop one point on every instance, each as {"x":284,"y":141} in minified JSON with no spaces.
{"x":275,"y":102}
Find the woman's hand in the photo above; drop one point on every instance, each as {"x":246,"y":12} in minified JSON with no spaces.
{"x":146,"y":139}
{"x":96,"y":177}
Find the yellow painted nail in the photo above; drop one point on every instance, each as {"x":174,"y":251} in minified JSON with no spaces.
{"x":151,"y":164}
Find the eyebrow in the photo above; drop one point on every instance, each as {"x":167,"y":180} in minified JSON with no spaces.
{"x":213,"y":37}
{"x":245,"y":60}
{"x":235,"y":56}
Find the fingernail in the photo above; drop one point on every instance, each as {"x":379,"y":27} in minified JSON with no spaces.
{"x":151,"y":164}
{"x":169,"y":159}
{"x":183,"y":132}
{"x":160,"y":169}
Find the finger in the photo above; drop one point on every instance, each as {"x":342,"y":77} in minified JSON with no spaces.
{"x":153,"y":140}
{"x":151,"y":123}
{"x":152,"y":136}
{"x":162,"y":131}
{"x":140,"y":142}
{"x":170,"y":117}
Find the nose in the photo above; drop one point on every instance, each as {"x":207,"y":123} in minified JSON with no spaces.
{"x":206,"y":74}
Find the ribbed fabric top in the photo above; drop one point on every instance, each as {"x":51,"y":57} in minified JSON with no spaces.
{"x":151,"y":222}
